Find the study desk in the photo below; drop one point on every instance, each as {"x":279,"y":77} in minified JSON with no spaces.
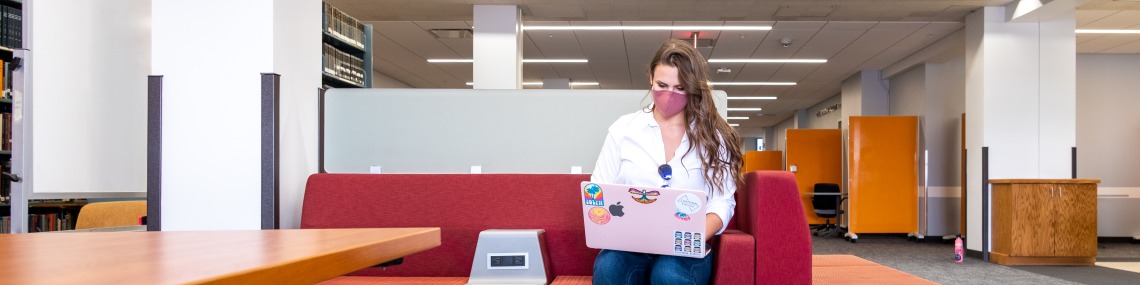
{"x":300,"y":256}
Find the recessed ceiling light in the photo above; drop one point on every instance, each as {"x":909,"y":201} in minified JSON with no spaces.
{"x":1083,"y":31}
{"x":646,"y":28}
{"x":468,"y":60}
{"x":752,"y":98}
{"x":752,"y":83}
{"x":736,"y":118}
{"x":769,"y":60}
{"x":744,"y":109}
{"x":733,"y":125}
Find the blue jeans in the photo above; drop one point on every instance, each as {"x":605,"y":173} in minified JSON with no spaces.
{"x":620,"y":267}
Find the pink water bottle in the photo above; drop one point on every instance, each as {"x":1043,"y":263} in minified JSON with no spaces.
{"x":958,"y":249}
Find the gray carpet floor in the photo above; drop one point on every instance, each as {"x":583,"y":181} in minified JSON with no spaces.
{"x":934,"y":261}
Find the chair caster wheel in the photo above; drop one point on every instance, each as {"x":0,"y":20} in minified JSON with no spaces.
{"x":854,"y":240}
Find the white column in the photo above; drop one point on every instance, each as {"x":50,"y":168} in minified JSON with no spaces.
{"x":211,"y":125}
{"x":497,"y":47}
{"x":1020,"y":102}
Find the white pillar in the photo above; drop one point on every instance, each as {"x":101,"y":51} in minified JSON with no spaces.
{"x":1020,"y":103}
{"x":497,"y":47}
{"x":211,"y":124}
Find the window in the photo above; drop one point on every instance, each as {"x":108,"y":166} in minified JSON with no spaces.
{"x":760,"y":144}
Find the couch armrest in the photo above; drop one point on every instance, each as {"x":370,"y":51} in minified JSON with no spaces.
{"x":783,"y":242}
{"x":735,"y":260}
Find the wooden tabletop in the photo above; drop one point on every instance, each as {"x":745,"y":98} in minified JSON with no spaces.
{"x":1045,"y":181}
{"x":216,"y":257}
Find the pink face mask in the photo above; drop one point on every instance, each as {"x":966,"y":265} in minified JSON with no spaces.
{"x":668,"y":102}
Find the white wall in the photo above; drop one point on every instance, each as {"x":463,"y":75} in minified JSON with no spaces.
{"x":1108,"y":128}
{"x":296,"y":41}
{"x":779,"y":133}
{"x":828,"y":121}
{"x":87,"y":98}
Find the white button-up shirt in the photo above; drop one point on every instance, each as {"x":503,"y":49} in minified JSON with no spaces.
{"x":634,"y":149}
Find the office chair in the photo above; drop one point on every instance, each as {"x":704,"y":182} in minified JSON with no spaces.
{"x":110,"y":214}
{"x":827,"y":207}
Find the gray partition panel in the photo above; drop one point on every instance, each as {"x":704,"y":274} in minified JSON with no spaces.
{"x":451,"y":130}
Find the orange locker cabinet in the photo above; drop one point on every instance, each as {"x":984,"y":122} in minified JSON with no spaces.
{"x":883,"y":174}
{"x":763,"y":160}
{"x":818,"y":158}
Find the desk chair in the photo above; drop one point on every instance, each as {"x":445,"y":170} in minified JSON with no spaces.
{"x":827,"y":207}
{"x":110,"y":214}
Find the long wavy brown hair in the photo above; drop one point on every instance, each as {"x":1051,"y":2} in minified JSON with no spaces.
{"x":719,"y":142}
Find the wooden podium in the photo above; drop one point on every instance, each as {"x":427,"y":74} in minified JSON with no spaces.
{"x":1044,"y":221}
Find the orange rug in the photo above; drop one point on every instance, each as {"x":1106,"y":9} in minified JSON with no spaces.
{"x":849,"y":269}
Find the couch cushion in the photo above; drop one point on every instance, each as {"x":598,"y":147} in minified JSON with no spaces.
{"x":461,"y":205}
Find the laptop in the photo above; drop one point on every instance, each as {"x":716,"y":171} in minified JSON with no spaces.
{"x":664,"y":221}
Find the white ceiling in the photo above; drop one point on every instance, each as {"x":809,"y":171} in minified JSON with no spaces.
{"x":853,"y":35}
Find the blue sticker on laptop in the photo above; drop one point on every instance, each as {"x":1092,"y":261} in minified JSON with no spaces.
{"x":592,"y":194}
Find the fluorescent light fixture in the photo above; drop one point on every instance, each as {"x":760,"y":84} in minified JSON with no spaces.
{"x":540,"y":83}
{"x":556,"y":60}
{"x":736,"y":118}
{"x":646,"y":28}
{"x":1081,"y":31}
{"x":455,"y":60}
{"x":752,"y":83}
{"x":770,"y":60}
{"x":537,"y":60}
{"x":733,"y":125}
{"x":744,"y":109}
{"x":752,"y":98}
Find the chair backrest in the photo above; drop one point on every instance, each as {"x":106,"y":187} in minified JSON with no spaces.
{"x":825,"y":202}
{"x":110,"y":214}
{"x":783,"y":242}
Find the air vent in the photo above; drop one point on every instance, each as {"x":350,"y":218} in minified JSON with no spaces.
{"x":451,"y":33}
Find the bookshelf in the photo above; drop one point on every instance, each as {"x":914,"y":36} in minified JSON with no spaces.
{"x":347,"y":50}
{"x":11,"y":39}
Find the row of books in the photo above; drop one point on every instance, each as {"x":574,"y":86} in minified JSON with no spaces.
{"x":42,"y":223}
{"x":11,"y":27}
{"x":344,"y":27}
{"x":6,"y":131}
{"x":50,"y":222}
{"x":342,"y":65}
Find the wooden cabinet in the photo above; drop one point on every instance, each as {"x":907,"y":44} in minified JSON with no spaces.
{"x":1044,"y":221}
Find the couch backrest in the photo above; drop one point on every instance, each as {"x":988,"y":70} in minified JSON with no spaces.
{"x":461,"y":205}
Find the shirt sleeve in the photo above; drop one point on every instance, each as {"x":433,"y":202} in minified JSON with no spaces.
{"x":723,"y":203}
{"x":606,"y":169}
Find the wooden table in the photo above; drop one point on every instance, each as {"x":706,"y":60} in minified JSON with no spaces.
{"x":217,"y":257}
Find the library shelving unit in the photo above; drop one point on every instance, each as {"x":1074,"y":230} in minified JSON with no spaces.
{"x":347,"y":54}
{"x":11,"y":17}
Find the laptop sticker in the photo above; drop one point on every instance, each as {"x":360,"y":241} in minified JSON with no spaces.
{"x":616,"y":210}
{"x":644,"y":197}
{"x":677,"y":242}
{"x":677,"y":234}
{"x":696,"y":235}
{"x":592,"y":193}
{"x":687,"y":204}
{"x":598,"y":215}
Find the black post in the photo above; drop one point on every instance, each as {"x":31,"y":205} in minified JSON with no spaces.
{"x":270,"y":151}
{"x":985,"y":202}
{"x":154,"y":153}
{"x":1074,"y":162}
{"x":320,"y":130}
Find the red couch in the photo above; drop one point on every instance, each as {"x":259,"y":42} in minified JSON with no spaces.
{"x":768,"y":242}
